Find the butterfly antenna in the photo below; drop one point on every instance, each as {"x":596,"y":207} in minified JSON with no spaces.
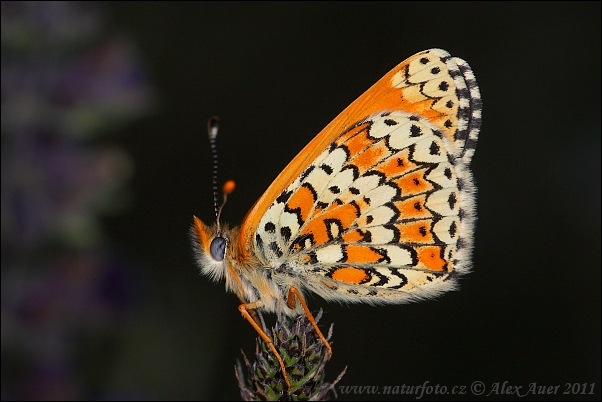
{"x":212,"y":126}
{"x":226,"y":189}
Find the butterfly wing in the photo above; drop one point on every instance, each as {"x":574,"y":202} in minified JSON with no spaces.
{"x":379,"y":206}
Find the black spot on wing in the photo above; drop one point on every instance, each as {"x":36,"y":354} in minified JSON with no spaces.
{"x":434,"y":148}
{"x":259,"y":242}
{"x":453,"y":229}
{"x":286,"y":233}
{"x":327,"y":169}
{"x":452,"y":200}
{"x":276,"y":249}
{"x":306,"y":172}
{"x":448,"y":173}
{"x":270,"y":227}
{"x":284,"y":196}
{"x":321,"y":205}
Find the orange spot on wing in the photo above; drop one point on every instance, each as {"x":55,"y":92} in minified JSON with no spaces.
{"x":396,"y":165}
{"x":441,"y":122}
{"x":318,"y":229}
{"x":415,"y":232}
{"x":362,"y":254}
{"x":352,"y":237}
{"x":350,"y":274}
{"x":413,"y":183}
{"x":423,"y":108}
{"x":303,"y":199}
{"x":370,"y":157}
{"x":362,"y":205}
{"x":430,"y":258}
{"x":356,"y":139}
{"x":413,"y":207}
{"x":346,"y":214}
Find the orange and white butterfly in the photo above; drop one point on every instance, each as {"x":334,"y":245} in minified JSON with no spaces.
{"x":378,"y":208}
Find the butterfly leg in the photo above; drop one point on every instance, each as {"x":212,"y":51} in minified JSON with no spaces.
{"x":252,"y":311}
{"x":244,"y":310}
{"x":292,"y":292}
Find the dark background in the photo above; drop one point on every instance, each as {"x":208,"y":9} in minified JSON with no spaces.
{"x":276,"y":74}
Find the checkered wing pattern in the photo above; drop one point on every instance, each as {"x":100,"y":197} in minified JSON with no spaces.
{"x":380,"y":206}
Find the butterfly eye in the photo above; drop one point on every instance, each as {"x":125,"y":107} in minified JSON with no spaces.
{"x":218,"y":248}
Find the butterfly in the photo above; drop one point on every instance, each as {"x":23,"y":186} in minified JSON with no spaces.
{"x":378,"y":208}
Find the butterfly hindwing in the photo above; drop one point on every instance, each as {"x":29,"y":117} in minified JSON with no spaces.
{"x":380,"y":206}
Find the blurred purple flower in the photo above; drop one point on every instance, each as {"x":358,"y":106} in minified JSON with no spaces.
{"x":65,"y":81}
